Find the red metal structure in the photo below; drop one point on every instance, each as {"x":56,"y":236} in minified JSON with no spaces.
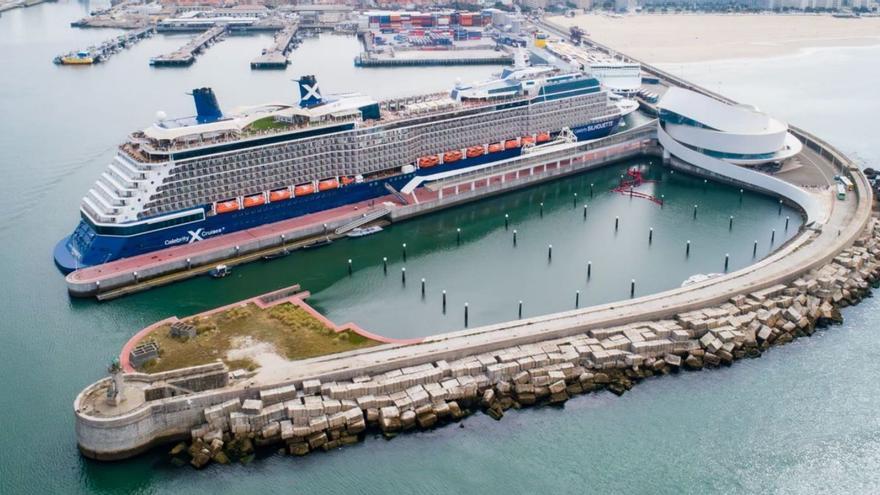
{"x":633,"y":180}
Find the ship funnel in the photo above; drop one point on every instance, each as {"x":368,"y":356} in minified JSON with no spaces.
{"x":207,"y":108}
{"x":309,"y":93}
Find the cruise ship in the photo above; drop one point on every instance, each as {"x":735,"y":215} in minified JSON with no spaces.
{"x":183,"y":180}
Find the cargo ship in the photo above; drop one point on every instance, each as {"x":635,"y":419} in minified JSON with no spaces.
{"x":183,"y":180}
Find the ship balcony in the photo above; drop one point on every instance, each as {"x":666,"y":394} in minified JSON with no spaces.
{"x":122,"y":177}
{"x":108,"y":194}
{"x":135,"y":169}
{"x":104,"y":205}
{"x":94,"y":211}
{"x":122,"y":191}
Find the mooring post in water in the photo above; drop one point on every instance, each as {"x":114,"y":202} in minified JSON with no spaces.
{"x":786,"y":223}
{"x":514,"y":237}
{"x":585,"y":212}
{"x":726,"y":261}
{"x":444,"y":301}
{"x":755,"y":248}
{"x":349,"y":267}
{"x":772,"y":236}
{"x":542,"y":209}
{"x":458,"y":236}
{"x":687,"y":249}
{"x":549,"y":252}
{"x":577,"y":299}
{"x":780,"y":207}
{"x":403,"y":275}
{"x":465,"y":315}
{"x":403,"y":246}
{"x":632,"y":288}
{"x":423,"y":288}
{"x":695,"y":212}
{"x":730,"y":223}
{"x":650,"y":235}
{"x":591,"y":190}
{"x":740,"y":195}
{"x":519,"y":314}
{"x":506,"y":221}
{"x":385,"y":265}
{"x":574,"y":202}
{"x":589,"y":270}
{"x":616,"y":223}
{"x":662,"y":200}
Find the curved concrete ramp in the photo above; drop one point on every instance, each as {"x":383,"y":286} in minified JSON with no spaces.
{"x":806,"y":200}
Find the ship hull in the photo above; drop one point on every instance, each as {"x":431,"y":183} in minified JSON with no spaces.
{"x":106,"y":248}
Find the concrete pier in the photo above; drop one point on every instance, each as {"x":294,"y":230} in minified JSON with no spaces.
{"x":412,"y":58}
{"x":276,"y":56}
{"x":100,"y":53}
{"x":186,"y":54}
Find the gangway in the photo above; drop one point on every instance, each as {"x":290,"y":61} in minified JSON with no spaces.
{"x":397,"y":194}
{"x":363,"y":220}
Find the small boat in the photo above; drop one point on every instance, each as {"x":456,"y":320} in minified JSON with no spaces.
{"x":255,"y":200}
{"x":319,"y":243}
{"x":219,"y":271}
{"x":279,"y":195}
{"x":348,"y":180}
{"x":364,"y":231}
{"x":543,"y":137}
{"x":429,"y":161}
{"x":303,"y":190}
{"x":226,"y":206}
{"x":496,"y":147}
{"x":700,"y":277}
{"x":276,"y":255}
{"x":328,"y":184}
{"x":451,"y":156}
{"x":475,"y":151}
{"x":511,"y":144}
{"x":527,"y":140}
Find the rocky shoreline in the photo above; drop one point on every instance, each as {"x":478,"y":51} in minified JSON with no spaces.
{"x":325,"y":416}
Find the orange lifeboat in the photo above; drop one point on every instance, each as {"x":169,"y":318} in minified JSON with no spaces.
{"x":475,"y":151}
{"x":279,"y":195}
{"x":496,"y":147}
{"x":511,"y":144}
{"x":303,"y":190}
{"x":347,"y":180}
{"x":255,"y":200}
{"x":327,"y":184}
{"x":527,"y":140}
{"x":429,"y":161}
{"x":451,"y":156}
{"x":543,"y":137}
{"x":226,"y":206}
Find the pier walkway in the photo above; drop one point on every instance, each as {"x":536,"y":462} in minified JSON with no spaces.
{"x":186,"y":54}
{"x":276,"y":56}
{"x":100,"y":53}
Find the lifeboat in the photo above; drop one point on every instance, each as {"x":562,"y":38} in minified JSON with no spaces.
{"x":527,"y":140}
{"x":543,"y":137}
{"x":451,"y":156}
{"x":429,"y":161}
{"x":255,"y":200}
{"x":474,"y":151}
{"x":496,"y":147}
{"x":327,"y":184}
{"x":511,"y":144}
{"x":279,"y":195}
{"x":226,"y":206}
{"x":303,"y":190}
{"x":347,"y":180}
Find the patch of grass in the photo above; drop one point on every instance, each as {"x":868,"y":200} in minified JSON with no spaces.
{"x":267,"y":123}
{"x":293,"y":332}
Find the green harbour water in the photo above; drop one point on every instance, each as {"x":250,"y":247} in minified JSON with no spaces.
{"x":802,"y":419}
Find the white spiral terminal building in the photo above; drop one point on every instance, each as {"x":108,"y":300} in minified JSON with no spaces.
{"x":738,"y":134}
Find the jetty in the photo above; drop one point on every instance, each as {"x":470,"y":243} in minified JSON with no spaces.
{"x":100,"y":53}
{"x":276,"y":56}
{"x":417,"y":57}
{"x":186,"y":55}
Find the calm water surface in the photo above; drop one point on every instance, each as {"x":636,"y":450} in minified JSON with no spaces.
{"x":800,"y":420}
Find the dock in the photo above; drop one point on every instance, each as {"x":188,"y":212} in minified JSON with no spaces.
{"x":186,"y":55}
{"x":411,"y":58}
{"x":100,"y":53}
{"x":276,"y":56}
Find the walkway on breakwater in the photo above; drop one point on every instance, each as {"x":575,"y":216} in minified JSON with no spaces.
{"x":141,"y":272}
{"x":186,"y":54}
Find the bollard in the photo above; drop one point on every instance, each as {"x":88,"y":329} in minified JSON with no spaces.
{"x":687,"y":249}
{"x":616,"y":223}
{"x":695,"y":212}
{"x":755,"y":249}
{"x":726,"y":261}
{"x":589,"y":270}
{"x":632,"y":288}
{"x":188,"y":263}
{"x":514,"y":237}
{"x":520,"y":310}
{"x":465,"y":315}
{"x":136,"y":278}
{"x":403,"y":246}
{"x":349,"y":267}
{"x":385,"y":265}
{"x":444,"y":301}
{"x":577,"y":299}
{"x":506,"y":221}
{"x":237,"y":249}
{"x":325,"y":228}
{"x":730,"y":223}
{"x":650,"y":235}
{"x":786,"y":223}
{"x":282,"y":239}
{"x":403,"y":275}
{"x":585,"y":212}
{"x":549,"y":252}
{"x":772,"y":236}
{"x":423,"y":288}
{"x":542,"y":209}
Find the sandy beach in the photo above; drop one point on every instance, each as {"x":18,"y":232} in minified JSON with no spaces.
{"x":687,"y":38}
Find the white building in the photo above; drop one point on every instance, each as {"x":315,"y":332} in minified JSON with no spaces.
{"x":738,"y":134}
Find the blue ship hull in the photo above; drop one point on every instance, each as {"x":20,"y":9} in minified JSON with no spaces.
{"x":96,"y":249}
